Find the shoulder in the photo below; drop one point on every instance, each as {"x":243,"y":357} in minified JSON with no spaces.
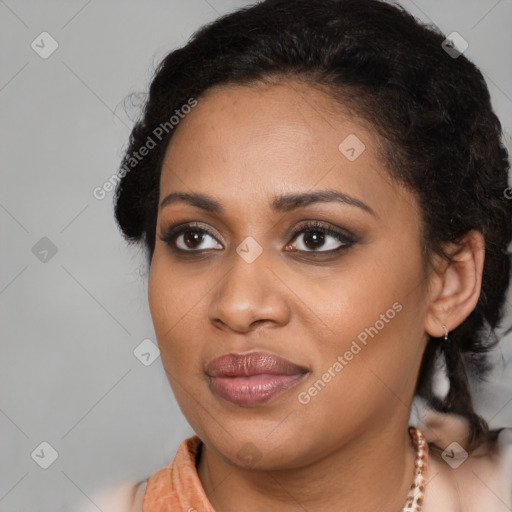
{"x":459,"y":481}
{"x":127,"y":497}
{"x":472,"y":482}
{"x":130,"y":497}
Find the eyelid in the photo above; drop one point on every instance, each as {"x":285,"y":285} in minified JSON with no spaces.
{"x":311,"y":225}
{"x":347,"y":239}
{"x":169,"y":234}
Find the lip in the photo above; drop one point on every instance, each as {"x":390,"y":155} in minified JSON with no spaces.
{"x":252,"y":379}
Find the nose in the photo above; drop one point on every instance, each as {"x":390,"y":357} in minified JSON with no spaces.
{"x":249,"y":295}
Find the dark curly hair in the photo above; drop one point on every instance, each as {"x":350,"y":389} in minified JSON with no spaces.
{"x":441,"y":137}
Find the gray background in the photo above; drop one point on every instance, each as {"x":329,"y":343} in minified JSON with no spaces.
{"x":68,"y":374}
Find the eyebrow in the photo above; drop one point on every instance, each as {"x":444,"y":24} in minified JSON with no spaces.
{"x":282,"y":203}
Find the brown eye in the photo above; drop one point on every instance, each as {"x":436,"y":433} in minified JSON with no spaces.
{"x":189,"y":238}
{"x":314,"y":239}
{"x":317,"y":238}
{"x":192,"y":239}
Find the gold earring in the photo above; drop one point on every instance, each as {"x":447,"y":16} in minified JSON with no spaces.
{"x":445,"y":332}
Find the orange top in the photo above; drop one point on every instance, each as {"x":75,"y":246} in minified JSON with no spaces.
{"x":176,"y":487}
{"x":483,"y":482}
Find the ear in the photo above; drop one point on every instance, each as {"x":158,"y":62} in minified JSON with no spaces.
{"x":455,"y":283}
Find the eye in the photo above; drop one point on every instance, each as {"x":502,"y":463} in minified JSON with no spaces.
{"x":317,"y":236}
{"x":190,"y":238}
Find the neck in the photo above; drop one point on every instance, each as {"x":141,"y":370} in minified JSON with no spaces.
{"x":372,"y":472}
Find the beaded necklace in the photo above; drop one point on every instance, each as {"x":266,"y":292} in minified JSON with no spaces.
{"x":416,"y":492}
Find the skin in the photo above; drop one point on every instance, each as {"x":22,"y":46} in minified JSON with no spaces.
{"x":242,"y":146}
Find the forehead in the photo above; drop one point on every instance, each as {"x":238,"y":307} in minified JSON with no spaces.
{"x":282,"y":114}
{"x":240,"y":142}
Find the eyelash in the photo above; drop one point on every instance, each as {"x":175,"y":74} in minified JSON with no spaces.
{"x":315,"y":227}
{"x":172,"y":233}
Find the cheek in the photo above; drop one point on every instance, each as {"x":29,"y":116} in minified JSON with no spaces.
{"x":175,"y":313}
{"x":168,"y":306}
{"x":177,"y":305}
{"x":160,"y":299}
{"x":375,"y":313}
{"x":172,"y":297}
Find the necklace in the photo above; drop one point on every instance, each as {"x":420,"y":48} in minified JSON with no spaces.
{"x":415,"y":495}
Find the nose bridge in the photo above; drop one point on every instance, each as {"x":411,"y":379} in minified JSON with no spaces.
{"x":245,"y":295}
{"x":247,"y":278}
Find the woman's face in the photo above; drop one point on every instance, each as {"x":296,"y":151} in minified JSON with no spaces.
{"x":322,"y":328}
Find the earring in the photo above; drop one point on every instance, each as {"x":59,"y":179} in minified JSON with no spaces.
{"x":441,"y":379}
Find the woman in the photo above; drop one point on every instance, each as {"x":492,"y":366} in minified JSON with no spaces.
{"x":319,"y":185}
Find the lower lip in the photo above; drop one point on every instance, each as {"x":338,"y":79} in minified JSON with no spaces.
{"x":253,"y":390}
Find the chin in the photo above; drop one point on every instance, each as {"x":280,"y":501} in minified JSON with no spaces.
{"x":261,"y":448}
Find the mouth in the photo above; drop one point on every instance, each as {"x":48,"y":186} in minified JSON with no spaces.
{"x":252,"y":379}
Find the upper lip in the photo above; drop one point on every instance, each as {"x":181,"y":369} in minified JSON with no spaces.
{"x":253,"y":363}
